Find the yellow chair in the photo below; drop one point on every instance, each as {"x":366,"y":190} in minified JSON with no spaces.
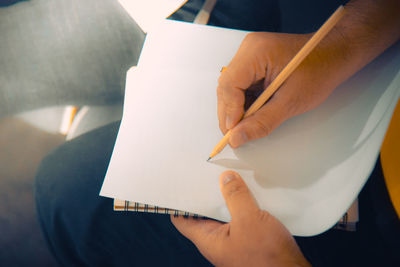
{"x":390,"y":159}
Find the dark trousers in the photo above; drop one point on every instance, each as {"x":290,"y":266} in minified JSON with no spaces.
{"x":82,"y":229}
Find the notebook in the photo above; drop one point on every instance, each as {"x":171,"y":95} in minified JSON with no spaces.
{"x":306,"y":173}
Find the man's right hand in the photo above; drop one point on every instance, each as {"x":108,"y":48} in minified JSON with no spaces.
{"x":259,"y":60}
{"x":263,"y":55}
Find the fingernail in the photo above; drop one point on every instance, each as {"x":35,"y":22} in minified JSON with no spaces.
{"x":226,"y":178}
{"x":229,"y":122}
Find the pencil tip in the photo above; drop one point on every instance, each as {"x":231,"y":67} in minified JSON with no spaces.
{"x":209,"y":159}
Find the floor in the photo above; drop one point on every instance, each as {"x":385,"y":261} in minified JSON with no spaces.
{"x":22,"y":148}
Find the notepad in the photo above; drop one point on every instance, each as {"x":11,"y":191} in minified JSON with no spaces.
{"x":306,"y":173}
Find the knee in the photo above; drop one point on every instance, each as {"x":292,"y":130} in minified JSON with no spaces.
{"x":73,"y":173}
{"x":52,"y":189}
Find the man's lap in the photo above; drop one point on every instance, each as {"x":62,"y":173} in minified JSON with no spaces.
{"x":82,"y":228}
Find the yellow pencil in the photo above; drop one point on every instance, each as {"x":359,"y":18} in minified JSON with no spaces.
{"x":285,"y":73}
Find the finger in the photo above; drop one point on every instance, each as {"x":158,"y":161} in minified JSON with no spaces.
{"x":221,"y":111}
{"x":231,"y":98}
{"x":261,"y":123}
{"x":244,"y":70}
{"x":240,"y":202}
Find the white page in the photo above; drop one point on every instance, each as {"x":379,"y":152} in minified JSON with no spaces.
{"x":306,"y":173}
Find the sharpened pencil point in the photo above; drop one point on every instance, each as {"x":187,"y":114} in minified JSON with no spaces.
{"x":209,"y":159}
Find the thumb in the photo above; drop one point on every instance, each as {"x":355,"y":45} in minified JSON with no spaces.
{"x":259,"y":124}
{"x":238,"y":198}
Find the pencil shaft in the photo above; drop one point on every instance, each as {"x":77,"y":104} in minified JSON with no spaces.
{"x":286,"y":72}
{"x":296,"y":61}
{"x":218,"y":148}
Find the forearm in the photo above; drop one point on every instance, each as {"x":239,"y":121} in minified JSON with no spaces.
{"x":370,"y":27}
{"x":367,"y":29}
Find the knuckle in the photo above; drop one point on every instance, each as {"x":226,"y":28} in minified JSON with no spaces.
{"x":234,"y":99}
{"x":225,"y":78}
{"x":263,"y":216}
{"x":292,"y":104}
{"x":261,"y":128}
{"x":222,"y":126}
{"x":221,"y":79}
{"x":231,"y":106}
{"x":219,"y":92}
{"x":257,"y":39}
{"x":251,"y":37}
